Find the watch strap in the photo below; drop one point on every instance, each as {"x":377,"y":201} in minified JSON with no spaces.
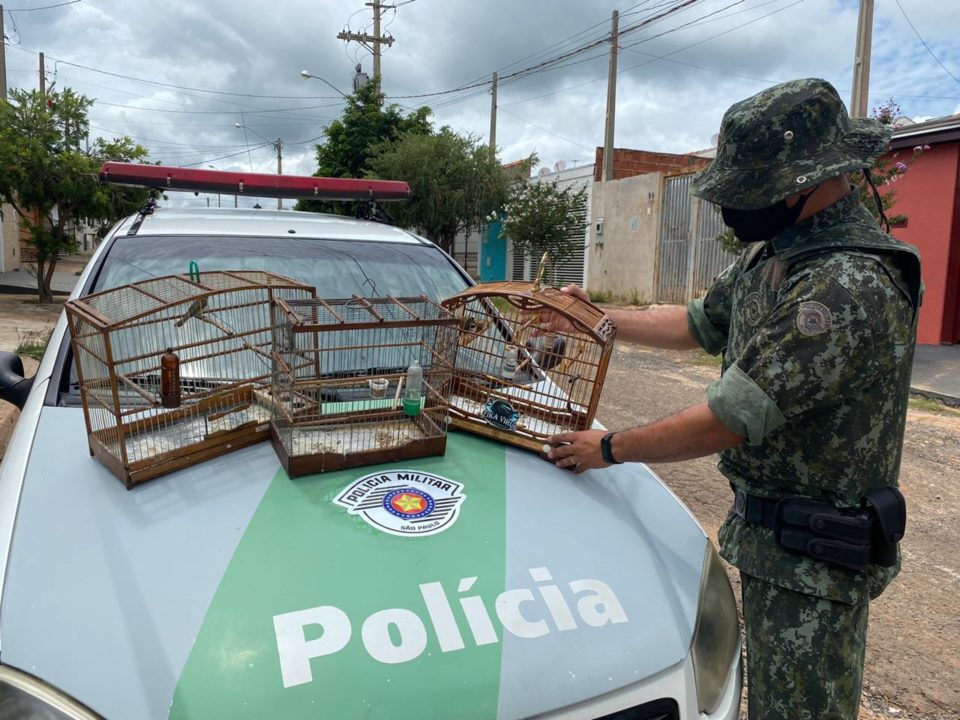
{"x":607,"y":450}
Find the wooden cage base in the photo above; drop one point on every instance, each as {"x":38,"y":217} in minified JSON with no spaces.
{"x":505,"y":436}
{"x":417,"y":444}
{"x":220,"y":424}
{"x":138,"y":473}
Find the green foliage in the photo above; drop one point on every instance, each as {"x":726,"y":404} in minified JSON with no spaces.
{"x":542,"y":217}
{"x":728,"y":241}
{"x":885,"y":171}
{"x":33,"y":343}
{"x":353,"y":139}
{"x":50,"y":181}
{"x":634,"y":297}
{"x":456,"y":181}
{"x":599,"y":296}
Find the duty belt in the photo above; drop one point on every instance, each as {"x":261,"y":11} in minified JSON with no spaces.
{"x":853,"y":538}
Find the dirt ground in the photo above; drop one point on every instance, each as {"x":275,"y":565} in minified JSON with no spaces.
{"x":913,"y":648}
{"x":913,"y":651}
{"x":22,"y":318}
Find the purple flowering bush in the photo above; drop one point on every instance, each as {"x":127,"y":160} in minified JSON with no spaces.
{"x":887,"y":170}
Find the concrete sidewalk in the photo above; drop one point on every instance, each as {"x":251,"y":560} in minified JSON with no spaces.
{"x":936,"y":373}
{"x":22,"y":282}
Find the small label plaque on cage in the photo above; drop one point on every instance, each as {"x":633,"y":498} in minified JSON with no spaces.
{"x":501,"y":414}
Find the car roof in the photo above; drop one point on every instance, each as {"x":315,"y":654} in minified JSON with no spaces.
{"x":250,"y":222}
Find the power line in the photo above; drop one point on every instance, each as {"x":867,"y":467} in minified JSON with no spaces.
{"x":654,"y":58}
{"x":45,"y":7}
{"x":182,"y":87}
{"x":923,"y":42}
{"x":549,"y":132}
{"x":217,"y":112}
{"x":677,"y":6}
{"x":224,"y":157}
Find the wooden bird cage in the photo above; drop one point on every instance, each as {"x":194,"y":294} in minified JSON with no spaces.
{"x":345,"y":381}
{"x":516,"y":380}
{"x":176,"y":370}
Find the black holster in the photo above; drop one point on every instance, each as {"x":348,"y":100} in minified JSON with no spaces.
{"x":851,"y":538}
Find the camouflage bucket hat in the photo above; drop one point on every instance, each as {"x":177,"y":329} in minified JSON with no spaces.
{"x":784,"y":140}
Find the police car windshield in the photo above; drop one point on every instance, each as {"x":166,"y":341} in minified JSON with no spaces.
{"x":337,"y":268}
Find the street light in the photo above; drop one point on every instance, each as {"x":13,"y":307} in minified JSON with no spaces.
{"x":278,"y":146}
{"x":306,"y":75}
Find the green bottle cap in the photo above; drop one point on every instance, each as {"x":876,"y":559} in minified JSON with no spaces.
{"x":411,"y":407}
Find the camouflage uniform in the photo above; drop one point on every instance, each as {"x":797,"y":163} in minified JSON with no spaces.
{"x":817,"y":327}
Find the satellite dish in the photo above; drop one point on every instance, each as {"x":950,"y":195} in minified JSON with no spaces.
{"x":544,"y":171}
{"x":715,"y":139}
{"x":559,"y":166}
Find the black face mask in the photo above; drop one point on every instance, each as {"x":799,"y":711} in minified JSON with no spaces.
{"x":761,"y":225}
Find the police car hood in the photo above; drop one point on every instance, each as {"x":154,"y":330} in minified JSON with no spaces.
{"x":485,"y":580}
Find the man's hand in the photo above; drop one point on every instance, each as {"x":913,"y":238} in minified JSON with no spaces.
{"x":551,"y":321}
{"x":578,"y":451}
{"x":576,"y":291}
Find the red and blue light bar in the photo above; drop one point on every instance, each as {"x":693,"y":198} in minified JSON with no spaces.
{"x":255,"y":184}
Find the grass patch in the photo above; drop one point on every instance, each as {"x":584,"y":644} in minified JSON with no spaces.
{"x":599,"y":296}
{"x":32,"y":343}
{"x":929,"y":405}
{"x":634,"y":297}
{"x":702,"y":358}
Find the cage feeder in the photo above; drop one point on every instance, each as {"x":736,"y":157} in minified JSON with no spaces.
{"x":360,"y":381}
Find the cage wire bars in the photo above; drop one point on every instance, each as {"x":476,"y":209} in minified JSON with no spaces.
{"x":176,"y":370}
{"x":360,"y":381}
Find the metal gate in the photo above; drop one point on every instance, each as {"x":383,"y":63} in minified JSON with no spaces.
{"x":689,"y":255}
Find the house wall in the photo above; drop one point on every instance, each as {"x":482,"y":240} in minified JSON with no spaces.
{"x":629,"y":163}
{"x":9,"y":241}
{"x":928,"y":195}
{"x":623,"y":258}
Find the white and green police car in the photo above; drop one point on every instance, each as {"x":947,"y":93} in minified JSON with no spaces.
{"x":228,"y":590}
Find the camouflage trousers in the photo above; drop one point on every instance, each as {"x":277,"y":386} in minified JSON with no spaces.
{"x":804,"y":654}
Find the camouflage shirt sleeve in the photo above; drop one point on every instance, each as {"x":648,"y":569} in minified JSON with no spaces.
{"x":709,"y":317}
{"x":815,"y":347}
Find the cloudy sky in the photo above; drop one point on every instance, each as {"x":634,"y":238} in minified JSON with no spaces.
{"x":179,"y":75}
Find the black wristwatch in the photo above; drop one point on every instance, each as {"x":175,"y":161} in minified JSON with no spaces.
{"x":607,"y":451}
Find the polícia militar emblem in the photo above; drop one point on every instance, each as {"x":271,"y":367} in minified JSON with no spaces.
{"x":814,"y":318}
{"x":404,"y":502}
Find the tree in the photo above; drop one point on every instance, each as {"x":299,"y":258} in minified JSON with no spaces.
{"x":456,"y":182}
{"x":352,"y":139}
{"x":543,"y":217}
{"x":49,"y":181}
{"x":887,"y":169}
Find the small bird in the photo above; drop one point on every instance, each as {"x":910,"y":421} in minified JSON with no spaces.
{"x":196,"y":309}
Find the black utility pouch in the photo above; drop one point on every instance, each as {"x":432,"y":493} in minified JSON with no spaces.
{"x":889,"y":511}
{"x":818,"y":529}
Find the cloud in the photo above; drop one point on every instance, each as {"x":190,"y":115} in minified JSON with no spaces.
{"x":672,"y":88}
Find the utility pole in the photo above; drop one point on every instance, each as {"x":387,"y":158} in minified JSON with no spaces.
{"x":279,"y":146}
{"x":3,"y":58}
{"x":611,"y":99}
{"x":43,"y":76}
{"x":372,"y":42}
{"x":860,"y":95}
{"x":493,"y":117}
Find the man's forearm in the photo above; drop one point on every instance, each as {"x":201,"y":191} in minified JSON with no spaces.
{"x":661,"y":326}
{"x":691,"y":433}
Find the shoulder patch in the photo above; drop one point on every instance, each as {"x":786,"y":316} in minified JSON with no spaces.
{"x":814,"y":318}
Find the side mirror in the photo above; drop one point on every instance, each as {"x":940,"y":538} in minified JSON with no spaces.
{"x":14,"y":387}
